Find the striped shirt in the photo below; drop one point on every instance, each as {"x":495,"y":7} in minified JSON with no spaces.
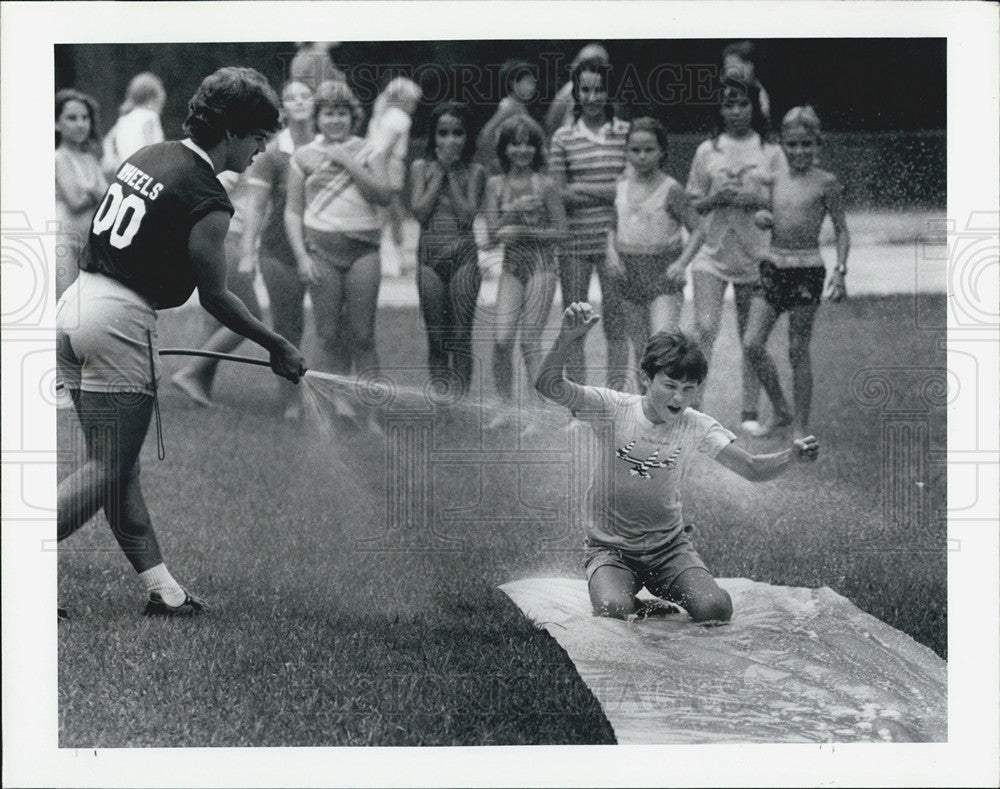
{"x":582,"y":156}
{"x":332,"y":202}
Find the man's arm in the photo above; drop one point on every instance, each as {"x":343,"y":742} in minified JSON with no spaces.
{"x":759,"y":468}
{"x":206,"y":250}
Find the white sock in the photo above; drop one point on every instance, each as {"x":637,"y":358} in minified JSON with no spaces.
{"x":159,"y":579}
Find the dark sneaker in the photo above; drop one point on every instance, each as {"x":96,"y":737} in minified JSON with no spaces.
{"x":190,"y":607}
{"x":62,"y":614}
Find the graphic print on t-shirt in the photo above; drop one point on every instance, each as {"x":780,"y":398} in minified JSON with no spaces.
{"x":639,"y":467}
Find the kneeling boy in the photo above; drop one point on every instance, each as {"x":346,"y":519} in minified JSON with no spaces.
{"x":636,"y":534}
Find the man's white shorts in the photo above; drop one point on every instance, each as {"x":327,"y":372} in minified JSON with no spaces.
{"x":105,"y":337}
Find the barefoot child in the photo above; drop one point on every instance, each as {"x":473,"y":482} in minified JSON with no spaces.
{"x":523,"y":210}
{"x":791,"y":278}
{"x":446,"y":190}
{"x":730,"y":180}
{"x":636,"y":534}
{"x":650,"y":210}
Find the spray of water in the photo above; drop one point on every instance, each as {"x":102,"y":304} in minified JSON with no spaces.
{"x":331,"y":399}
{"x":448,"y":478}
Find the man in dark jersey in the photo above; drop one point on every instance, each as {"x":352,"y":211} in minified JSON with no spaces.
{"x":157,"y":235}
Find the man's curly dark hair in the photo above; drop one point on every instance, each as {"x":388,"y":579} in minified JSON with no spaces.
{"x":235,"y":100}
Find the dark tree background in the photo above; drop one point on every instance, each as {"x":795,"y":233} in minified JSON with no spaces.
{"x":883,"y":101}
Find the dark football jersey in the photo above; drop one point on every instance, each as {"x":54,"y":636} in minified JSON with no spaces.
{"x":139,"y":234}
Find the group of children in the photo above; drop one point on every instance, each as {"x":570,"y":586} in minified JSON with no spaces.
{"x":597,"y":198}
{"x":593,"y":198}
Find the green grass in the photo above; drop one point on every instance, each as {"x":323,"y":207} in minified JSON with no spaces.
{"x":334,"y":624}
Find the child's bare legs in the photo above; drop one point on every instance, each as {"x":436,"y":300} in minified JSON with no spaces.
{"x":665,"y":312}
{"x":464,"y":292}
{"x":743,"y":296}
{"x":537,"y":305}
{"x":612,"y":592}
{"x":286,"y":293}
{"x":449,"y":309}
{"x":613,"y":319}
{"x":762,"y":319}
{"x":436,"y":313}
{"x":361,"y":287}
{"x":196,"y":378}
{"x":709,"y":291}
{"x":613,"y":589}
{"x":637,"y":323}
{"x":705,"y":601}
{"x":800,"y":326}
{"x":327,"y":294}
{"x":538,"y":295}
{"x":510,"y":298}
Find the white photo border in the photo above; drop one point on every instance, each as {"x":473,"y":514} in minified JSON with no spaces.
{"x":31,"y":757}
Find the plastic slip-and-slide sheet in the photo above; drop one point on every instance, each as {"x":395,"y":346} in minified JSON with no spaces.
{"x":794,"y":665}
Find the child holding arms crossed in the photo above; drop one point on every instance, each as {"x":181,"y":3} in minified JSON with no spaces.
{"x":636,"y":534}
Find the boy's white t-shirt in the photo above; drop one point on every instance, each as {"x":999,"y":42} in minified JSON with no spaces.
{"x":633,"y":502}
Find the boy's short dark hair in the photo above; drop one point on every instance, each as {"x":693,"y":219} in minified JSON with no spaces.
{"x":510,"y":130}
{"x":675,"y":353}
{"x":235,"y":100}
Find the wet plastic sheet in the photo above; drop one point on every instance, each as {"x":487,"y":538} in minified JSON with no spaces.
{"x":794,"y":665}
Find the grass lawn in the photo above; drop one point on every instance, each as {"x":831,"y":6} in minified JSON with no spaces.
{"x":354,"y":594}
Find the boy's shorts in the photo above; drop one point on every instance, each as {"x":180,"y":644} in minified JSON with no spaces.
{"x":656,"y":570}
{"x":797,"y":286}
{"x":101,"y":337}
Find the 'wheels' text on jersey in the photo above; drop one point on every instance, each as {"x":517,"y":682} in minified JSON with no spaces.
{"x":139,"y":235}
